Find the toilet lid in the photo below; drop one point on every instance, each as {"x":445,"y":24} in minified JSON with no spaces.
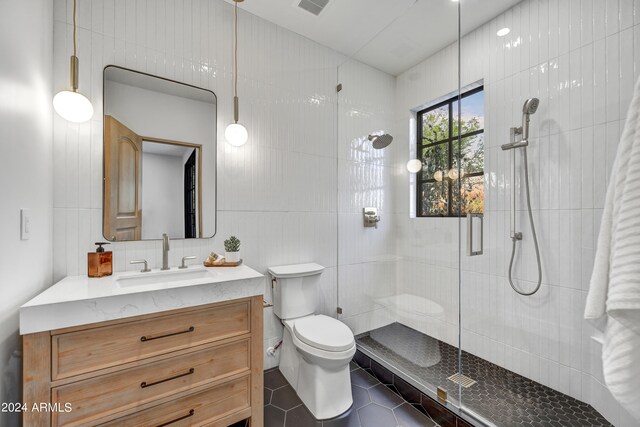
{"x":324,"y":332}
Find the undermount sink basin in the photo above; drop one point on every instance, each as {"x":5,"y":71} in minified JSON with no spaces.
{"x":158,"y":276}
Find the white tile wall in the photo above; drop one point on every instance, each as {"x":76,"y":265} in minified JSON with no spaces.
{"x":580,"y":58}
{"x":277,"y":193}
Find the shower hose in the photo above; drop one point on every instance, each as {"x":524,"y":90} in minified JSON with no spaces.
{"x":533,"y":232}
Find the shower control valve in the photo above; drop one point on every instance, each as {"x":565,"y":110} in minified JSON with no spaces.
{"x":371,"y":217}
{"x":516,"y":235}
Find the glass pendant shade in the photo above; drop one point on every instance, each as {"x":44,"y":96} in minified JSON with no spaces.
{"x":73,"y":106}
{"x":236,"y":134}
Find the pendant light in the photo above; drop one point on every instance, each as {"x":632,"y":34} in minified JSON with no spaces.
{"x":70,"y":104}
{"x":235,"y":133}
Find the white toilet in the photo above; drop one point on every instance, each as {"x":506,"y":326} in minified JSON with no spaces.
{"x":316,"y":349}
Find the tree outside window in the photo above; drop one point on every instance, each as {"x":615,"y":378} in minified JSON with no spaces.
{"x":452,"y":178}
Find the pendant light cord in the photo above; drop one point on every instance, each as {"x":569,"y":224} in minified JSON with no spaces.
{"x":73,"y":74}
{"x":235,"y":62}
{"x":235,"y":133}
{"x":235,"y":50}
{"x":75,"y":43}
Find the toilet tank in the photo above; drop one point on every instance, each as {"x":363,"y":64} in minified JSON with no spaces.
{"x":295,"y":289}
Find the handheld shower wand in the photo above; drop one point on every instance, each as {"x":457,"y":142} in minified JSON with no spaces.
{"x":530,"y":107}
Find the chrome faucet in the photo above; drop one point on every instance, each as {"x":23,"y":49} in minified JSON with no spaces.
{"x":165,"y":252}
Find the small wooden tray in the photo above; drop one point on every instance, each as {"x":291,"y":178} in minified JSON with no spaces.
{"x":224,"y":264}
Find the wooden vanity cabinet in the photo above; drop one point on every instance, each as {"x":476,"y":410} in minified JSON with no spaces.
{"x":194,"y":366}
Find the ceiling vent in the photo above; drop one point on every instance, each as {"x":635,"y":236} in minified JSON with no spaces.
{"x":313,"y":6}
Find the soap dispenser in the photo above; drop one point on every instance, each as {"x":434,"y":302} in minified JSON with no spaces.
{"x":99,"y":263}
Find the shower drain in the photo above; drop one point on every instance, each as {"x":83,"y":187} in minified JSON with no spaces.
{"x":463,"y":380}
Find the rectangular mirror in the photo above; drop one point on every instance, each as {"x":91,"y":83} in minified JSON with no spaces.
{"x":159,"y":158}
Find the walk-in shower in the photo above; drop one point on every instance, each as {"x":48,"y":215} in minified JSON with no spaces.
{"x":433,"y":320}
{"x":520,"y":139}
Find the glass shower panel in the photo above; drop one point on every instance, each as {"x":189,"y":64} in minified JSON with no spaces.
{"x":398,"y":280}
{"x":548,"y":109}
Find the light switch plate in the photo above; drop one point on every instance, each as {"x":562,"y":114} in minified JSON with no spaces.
{"x":25,"y":224}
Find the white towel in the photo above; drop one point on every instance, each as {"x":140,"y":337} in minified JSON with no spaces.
{"x":613,"y":302}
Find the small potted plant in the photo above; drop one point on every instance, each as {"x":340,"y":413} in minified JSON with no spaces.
{"x":232,"y":249}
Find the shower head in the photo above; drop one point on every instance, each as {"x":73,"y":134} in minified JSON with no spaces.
{"x":380,"y":141}
{"x":530,"y":106}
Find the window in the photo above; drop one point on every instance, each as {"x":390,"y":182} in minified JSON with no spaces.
{"x":439,"y":190}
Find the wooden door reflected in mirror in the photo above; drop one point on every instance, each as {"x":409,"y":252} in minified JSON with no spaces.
{"x":122,"y":181}
{"x":159,"y":158}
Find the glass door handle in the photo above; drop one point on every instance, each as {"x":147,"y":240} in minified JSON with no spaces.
{"x":470,"y":234}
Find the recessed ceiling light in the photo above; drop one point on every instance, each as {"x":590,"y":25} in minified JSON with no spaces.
{"x":503,"y":32}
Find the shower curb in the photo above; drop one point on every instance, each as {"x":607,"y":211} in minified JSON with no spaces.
{"x":421,"y":401}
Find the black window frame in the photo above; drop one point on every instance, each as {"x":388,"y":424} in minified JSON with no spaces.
{"x":450,"y":140}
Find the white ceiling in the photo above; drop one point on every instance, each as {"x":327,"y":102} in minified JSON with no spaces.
{"x":157,"y":84}
{"x":172,"y":150}
{"x":391,"y":35}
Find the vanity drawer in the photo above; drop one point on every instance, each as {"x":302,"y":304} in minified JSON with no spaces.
{"x":196,"y":409}
{"x":110,"y":394}
{"x":89,"y":350}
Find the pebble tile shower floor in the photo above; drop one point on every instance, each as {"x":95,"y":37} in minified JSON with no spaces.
{"x":374,"y":405}
{"x":501,"y":396}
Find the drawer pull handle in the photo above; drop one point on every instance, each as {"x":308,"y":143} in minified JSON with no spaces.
{"x":144,"y":384}
{"x":190,"y":414}
{"x":145,"y":338}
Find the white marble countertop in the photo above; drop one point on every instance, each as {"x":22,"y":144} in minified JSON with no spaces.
{"x":80,"y":300}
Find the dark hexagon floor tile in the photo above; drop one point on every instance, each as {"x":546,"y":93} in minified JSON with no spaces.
{"x":500,"y":395}
{"x":381,"y":395}
{"x":360,"y":396}
{"x":348,"y":419}
{"x":267,"y":396}
{"x":362,"y":378}
{"x":274,"y":379}
{"x":299,"y":417}
{"x":285,"y":398}
{"x":408,"y":416}
{"x":374,"y":415}
{"x":273,"y":417}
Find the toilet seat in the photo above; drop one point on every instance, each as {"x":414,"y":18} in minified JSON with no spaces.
{"x":324,"y":333}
